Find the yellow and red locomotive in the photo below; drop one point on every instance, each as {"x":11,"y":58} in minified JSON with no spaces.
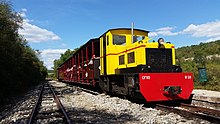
{"x":123,"y":61}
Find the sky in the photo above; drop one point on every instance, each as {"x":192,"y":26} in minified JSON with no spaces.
{"x":53,"y":26}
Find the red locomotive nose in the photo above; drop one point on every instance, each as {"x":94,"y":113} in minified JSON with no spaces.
{"x":166,"y":86}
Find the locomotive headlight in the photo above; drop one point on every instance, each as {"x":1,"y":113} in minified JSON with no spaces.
{"x":161,"y":41}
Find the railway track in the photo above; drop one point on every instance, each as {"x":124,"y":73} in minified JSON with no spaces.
{"x":186,"y":110}
{"x":89,"y":91}
{"x":189,"y":111}
{"x":215,"y":105}
{"x":48,"y":108}
{"x":205,"y":101}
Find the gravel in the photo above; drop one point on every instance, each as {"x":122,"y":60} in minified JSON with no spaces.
{"x":83,"y":107}
{"x":48,"y":110}
{"x":206,"y":93}
{"x":213,"y":98}
{"x":87,"y":108}
{"x":20,"y":112}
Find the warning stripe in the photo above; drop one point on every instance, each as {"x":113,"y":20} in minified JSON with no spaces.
{"x":124,"y":51}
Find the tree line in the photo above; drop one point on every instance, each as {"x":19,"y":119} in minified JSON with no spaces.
{"x":205,"y":55}
{"x":20,"y":67}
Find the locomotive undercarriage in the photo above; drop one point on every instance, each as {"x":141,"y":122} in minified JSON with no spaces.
{"x":121,"y":84}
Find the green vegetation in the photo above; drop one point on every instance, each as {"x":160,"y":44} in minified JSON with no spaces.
{"x":50,"y":74}
{"x":20,"y":66}
{"x":190,"y":58}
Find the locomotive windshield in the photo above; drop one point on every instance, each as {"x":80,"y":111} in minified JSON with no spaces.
{"x":159,"y":57}
{"x":138,"y":38}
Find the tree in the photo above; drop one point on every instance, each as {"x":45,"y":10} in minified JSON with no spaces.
{"x":20,"y":66}
{"x":200,"y":59}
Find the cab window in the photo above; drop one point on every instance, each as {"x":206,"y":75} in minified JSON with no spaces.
{"x":119,"y":40}
{"x":137,"y":38}
{"x":131,"y":58}
{"x":121,"y":59}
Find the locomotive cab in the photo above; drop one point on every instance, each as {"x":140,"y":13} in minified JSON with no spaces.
{"x":122,"y":54}
{"x":119,"y":52}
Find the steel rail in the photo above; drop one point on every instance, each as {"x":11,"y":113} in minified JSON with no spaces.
{"x":89,"y":91}
{"x":201,"y":109}
{"x":215,"y":103}
{"x":34,"y":110}
{"x":186,"y":113}
{"x":60,"y":106}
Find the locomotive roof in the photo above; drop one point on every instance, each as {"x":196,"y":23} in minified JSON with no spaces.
{"x":124,"y":29}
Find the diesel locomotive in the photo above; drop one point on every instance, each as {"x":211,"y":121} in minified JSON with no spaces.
{"x":124,"y":61}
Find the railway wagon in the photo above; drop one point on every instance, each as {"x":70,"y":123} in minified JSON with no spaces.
{"x":124,"y":61}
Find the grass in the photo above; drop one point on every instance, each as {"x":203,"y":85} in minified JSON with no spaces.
{"x":207,"y":87}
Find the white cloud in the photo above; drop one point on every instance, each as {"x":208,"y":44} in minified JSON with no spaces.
{"x":49,"y":55}
{"x":22,"y":13}
{"x":209,"y":29}
{"x":33,"y":33}
{"x":165,"y":31}
{"x":153,"y":34}
{"x":24,"y":10}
